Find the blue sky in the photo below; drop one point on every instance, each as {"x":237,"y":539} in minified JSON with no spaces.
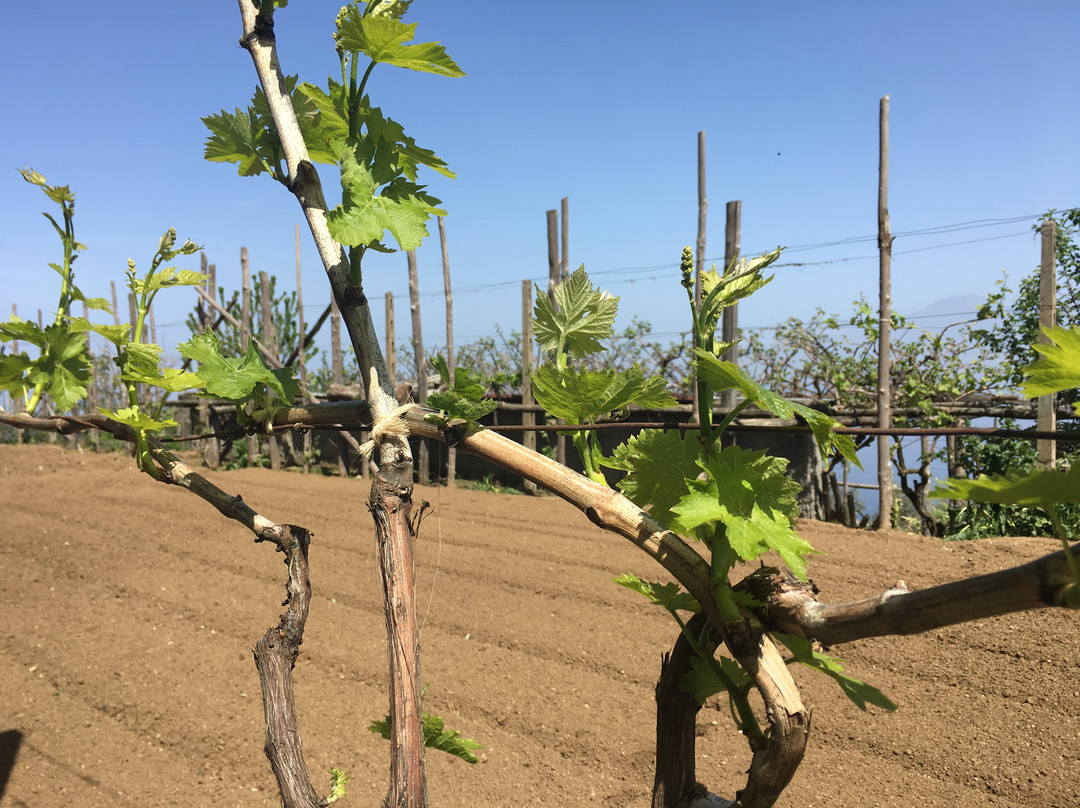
{"x":602,"y":105}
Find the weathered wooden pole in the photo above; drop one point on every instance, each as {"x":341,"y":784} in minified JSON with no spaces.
{"x":337,"y":376}
{"x":554,"y":264}
{"x":554,"y":276}
{"x":300,"y":358}
{"x":391,"y":348}
{"x":269,"y":338}
{"x":451,"y":453}
{"x":15,"y":405}
{"x":730,"y":327}
{"x":1047,"y":418}
{"x":884,"y":469}
{"x":423,"y":472}
{"x":699,"y":256}
{"x":564,"y":260}
{"x":245,"y":334}
{"x":528,"y":418}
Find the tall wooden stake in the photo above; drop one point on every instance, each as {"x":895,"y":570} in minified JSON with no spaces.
{"x":730,"y":328}
{"x":884,"y":470}
{"x":451,"y":453}
{"x":422,"y":466}
{"x":391,"y":347}
{"x":554,"y":264}
{"x":554,"y":276}
{"x":1047,"y":418}
{"x":300,"y":358}
{"x":564,"y":272}
{"x":337,"y":376}
{"x":699,"y":261}
{"x":269,"y":338}
{"x":245,"y":334}
{"x":527,"y":418}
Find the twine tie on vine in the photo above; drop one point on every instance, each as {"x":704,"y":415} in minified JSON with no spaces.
{"x":393,"y":424}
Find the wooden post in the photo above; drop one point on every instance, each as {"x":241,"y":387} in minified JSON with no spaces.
{"x":391,"y":348}
{"x":699,"y":263}
{"x":554,"y":272}
{"x":1047,"y":418}
{"x":554,"y":264}
{"x":300,"y":358}
{"x":420,"y":395}
{"x":245,"y":334}
{"x":15,"y":405}
{"x":211,"y":449}
{"x":527,"y":418}
{"x":884,"y":469}
{"x":337,"y":375}
{"x":730,"y":327}
{"x":269,"y":338}
{"x":451,"y":453}
{"x":133,"y":316}
{"x":564,"y":260}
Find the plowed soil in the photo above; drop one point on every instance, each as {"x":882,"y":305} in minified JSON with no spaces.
{"x":130,"y":609}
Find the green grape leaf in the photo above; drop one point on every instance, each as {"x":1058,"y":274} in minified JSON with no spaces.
{"x":656,"y":465}
{"x":721,"y":375}
{"x":338,"y":781}
{"x":435,"y":737}
{"x":236,"y":137}
{"x":13,"y":369}
{"x":135,"y":418}
{"x":139,"y":359}
{"x":704,"y":680}
{"x":116,"y":334}
{"x":166,"y":277}
{"x":63,"y":368}
{"x":382,"y":38}
{"x":333,"y":118}
{"x":401,"y":208}
{"x":859,"y":692}
{"x":20,"y":329}
{"x":465,"y":397}
{"x":390,"y":152}
{"x":742,"y":279}
{"x":235,"y":379}
{"x":581,"y":317}
{"x":1039,"y":487}
{"x":668,"y":595}
{"x":1058,"y":366}
{"x":172,"y":380}
{"x":749,"y":494}
{"x":585,"y":396}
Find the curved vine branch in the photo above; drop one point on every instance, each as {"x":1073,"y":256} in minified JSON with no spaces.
{"x":276,"y":652}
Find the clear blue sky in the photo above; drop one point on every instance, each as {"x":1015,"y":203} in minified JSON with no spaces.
{"x":602,"y":105}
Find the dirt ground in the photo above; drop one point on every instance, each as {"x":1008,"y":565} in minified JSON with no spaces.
{"x":130,"y":610}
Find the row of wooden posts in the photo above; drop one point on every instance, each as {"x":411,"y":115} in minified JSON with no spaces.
{"x":210,"y":314}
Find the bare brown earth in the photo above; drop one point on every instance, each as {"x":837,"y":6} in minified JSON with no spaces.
{"x":130,"y":610}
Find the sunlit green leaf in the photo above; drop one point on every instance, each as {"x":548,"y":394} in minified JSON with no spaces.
{"x":656,"y":465}
{"x":435,"y":737}
{"x":1039,"y":487}
{"x":137,"y":419}
{"x":17,"y":328}
{"x":668,"y":595}
{"x":721,"y":375}
{"x":858,"y":691}
{"x":586,"y":396}
{"x":366,"y":213}
{"x":382,"y":38}
{"x":750,"y":495}
{"x":1058,"y":366}
{"x":581,"y":317}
